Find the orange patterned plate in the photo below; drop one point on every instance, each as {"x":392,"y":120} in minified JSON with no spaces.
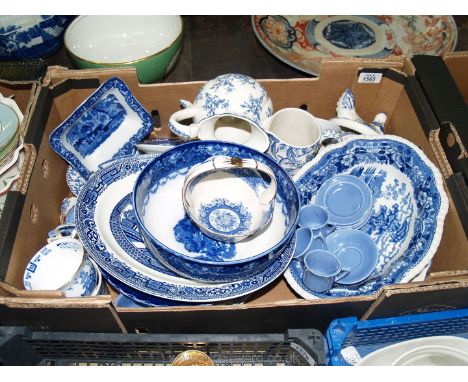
{"x":303,"y":41}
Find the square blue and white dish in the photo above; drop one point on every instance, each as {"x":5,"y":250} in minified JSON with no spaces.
{"x":107,"y":125}
{"x":408,"y":212}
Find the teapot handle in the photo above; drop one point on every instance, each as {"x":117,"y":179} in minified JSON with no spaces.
{"x":184,"y":131}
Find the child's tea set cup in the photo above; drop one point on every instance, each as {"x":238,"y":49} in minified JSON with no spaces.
{"x":295,"y":137}
{"x":227,"y":198}
{"x":230,"y":107}
{"x":322,"y":269}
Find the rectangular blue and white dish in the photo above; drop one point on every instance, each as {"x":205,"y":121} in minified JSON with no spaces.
{"x":107,"y":125}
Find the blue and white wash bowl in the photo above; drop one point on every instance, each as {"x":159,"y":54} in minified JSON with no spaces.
{"x":106,"y":126}
{"x":30,"y":37}
{"x":408,"y":210}
{"x":230,"y":108}
{"x":172,"y":237}
{"x":62,"y":265}
{"x":227,"y":197}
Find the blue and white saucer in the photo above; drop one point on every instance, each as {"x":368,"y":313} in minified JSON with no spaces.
{"x":356,"y":251}
{"x":106,"y":226}
{"x":347,"y":199}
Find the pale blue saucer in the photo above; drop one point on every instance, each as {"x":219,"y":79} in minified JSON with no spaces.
{"x":356,"y":251}
{"x":8,"y":124}
{"x":347,"y":198}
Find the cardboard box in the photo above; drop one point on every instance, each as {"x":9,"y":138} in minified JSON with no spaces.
{"x":276,"y":307}
{"x":19,"y":80}
{"x":445,"y":85}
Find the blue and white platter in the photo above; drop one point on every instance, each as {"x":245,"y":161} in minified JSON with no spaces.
{"x":107,"y":226}
{"x":408,"y":213}
{"x":105,"y":126}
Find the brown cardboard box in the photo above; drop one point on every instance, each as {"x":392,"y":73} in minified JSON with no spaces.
{"x":275,"y":307}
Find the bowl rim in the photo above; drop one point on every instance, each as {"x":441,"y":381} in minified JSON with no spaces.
{"x":273,"y":249}
{"x":79,"y":18}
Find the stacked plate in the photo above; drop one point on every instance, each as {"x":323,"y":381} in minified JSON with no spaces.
{"x":112,"y":235}
{"x":347,"y":199}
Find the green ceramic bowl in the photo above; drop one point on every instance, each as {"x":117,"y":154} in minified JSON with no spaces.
{"x":151,"y":44}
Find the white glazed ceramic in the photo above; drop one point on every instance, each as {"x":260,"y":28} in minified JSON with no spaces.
{"x":295,"y":137}
{"x":54,"y":266}
{"x":432,"y":355}
{"x":227,"y":198}
{"x":229,"y":108}
{"x":13,"y":105}
{"x":347,"y":117}
{"x":62,"y":265}
{"x":386,"y":356}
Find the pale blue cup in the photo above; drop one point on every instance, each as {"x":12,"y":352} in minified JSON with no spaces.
{"x":321,"y":270}
{"x":315,"y":218}
{"x":305,"y":242}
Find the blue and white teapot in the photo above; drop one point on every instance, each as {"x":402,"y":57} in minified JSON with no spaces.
{"x":230,"y":108}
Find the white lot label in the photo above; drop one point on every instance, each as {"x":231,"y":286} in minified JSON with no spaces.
{"x":370,"y":78}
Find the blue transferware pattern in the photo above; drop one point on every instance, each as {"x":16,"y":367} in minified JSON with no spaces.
{"x":225,"y":217}
{"x":74,"y":180}
{"x":85,"y":282}
{"x":31,"y":37}
{"x":110,"y":112}
{"x":278,"y":31}
{"x":291,"y":158}
{"x":349,"y":34}
{"x":410,"y":205}
{"x":97,"y":124}
{"x":145,"y":277}
{"x":229,"y":94}
{"x":205,"y":265}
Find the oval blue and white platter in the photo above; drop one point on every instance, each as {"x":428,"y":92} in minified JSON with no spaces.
{"x":408,"y":214}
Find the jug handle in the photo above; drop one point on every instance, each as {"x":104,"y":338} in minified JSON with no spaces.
{"x":184,"y":131}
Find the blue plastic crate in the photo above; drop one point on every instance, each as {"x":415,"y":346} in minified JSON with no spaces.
{"x":368,"y":336}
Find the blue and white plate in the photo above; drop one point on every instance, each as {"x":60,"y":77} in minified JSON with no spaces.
{"x":105,"y":126}
{"x":408,"y":213}
{"x":347,"y":199}
{"x":107,"y":227}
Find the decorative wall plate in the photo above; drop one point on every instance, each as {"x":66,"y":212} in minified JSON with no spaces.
{"x":302,"y":41}
{"x":107,"y":227}
{"x":408,"y":213}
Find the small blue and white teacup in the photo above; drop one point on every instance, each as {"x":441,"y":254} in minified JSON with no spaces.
{"x":62,"y":265}
{"x":321,"y":270}
{"x":227,"y":197}
{"x":296,"y":136}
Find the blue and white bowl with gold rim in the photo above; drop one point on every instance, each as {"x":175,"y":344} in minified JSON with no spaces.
{"x":409,"y":207}
{"x":172,"y":237}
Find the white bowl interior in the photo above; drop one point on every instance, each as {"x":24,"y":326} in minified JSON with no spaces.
{"x":119,"y":39}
